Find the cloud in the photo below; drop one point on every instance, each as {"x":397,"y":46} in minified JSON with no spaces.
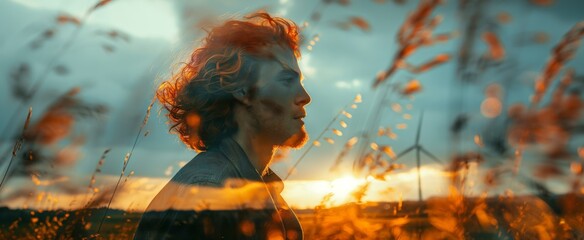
{"x":284,"y":6}
{"x":355,"y":83}
{"x":168,"y":171}
{"x":307,"y":69}
{"x":28,"y":3}
{"x":152,"y":20}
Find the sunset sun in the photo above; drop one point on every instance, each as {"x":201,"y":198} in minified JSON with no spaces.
{"x":342,"y":187}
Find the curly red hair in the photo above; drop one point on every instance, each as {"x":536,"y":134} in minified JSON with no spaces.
{"x":199,"y":98}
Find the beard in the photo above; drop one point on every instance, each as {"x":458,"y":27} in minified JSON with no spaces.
{"x":270,"y":121}
{"x":297,"y":140}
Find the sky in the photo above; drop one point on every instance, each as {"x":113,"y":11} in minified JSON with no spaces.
{"x":341,"y":64}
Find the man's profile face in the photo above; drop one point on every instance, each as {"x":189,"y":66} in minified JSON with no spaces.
{"x":278,"y":105}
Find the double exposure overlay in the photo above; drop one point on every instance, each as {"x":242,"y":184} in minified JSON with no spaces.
{"x":326,"y":119}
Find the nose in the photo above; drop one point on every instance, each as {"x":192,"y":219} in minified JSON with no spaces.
{"x":302,"y":98}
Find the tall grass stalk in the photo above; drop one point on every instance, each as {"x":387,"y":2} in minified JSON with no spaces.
{"x":126,"y":161}
{"x":16,"y":147}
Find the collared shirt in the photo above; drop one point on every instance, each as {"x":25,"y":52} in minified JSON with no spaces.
{"x":220,"y":195}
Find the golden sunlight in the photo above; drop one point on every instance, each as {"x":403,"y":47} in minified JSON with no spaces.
{"x":302,"y":194}
{"x":343,"y":187}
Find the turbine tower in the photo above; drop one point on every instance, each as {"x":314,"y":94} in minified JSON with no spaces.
{"x":419,"y":149}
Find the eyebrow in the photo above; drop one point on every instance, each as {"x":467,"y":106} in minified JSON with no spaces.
{"x":291,"y":72}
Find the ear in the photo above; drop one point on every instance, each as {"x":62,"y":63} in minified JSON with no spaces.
{"x":242,"y":96}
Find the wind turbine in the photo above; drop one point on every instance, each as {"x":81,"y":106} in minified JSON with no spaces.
{"x":419,"y":148}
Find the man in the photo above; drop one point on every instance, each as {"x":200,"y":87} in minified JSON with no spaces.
{"x":238,"y":99}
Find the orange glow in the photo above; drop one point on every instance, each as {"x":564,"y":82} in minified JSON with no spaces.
{"x":491,"y":107}
{"x":439,"y":59}
{"x":360,"y":23}
{"x":576,"y":168}
{"x":68,"y":19}
{"x":412,"y":87}
{"x":53,"y":127}
{"x":478,"y":140}
{"x":298,"y":193}
{"x":343,"y":186}
{"x":193,"y":120}
{"x":389,"y":151}
{"x":348,"y":115}
{"x":358,"y":99}
{"x":496,"y":50}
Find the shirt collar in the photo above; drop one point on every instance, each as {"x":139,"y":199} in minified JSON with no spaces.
{"x":239,"y":159}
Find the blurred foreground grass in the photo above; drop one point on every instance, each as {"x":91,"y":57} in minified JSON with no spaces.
{"x":525,"y":217}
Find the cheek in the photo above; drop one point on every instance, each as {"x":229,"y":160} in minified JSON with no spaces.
{"x":274,"y":100}
{"x":272,"y":106}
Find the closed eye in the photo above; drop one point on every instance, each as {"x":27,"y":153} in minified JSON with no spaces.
{"x":290,"y":78}
{"x":288,"y":73}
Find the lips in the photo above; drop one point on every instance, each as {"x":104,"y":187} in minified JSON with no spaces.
{"x":300,"y":120}
{"x":299,"y":116}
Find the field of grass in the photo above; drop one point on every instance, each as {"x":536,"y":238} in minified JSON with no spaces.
{"x":492,"y":218}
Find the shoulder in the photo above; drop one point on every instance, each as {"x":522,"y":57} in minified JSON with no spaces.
{"x":207,"y":168}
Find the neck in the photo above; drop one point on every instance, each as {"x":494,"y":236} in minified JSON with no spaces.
{"x":258,"y":150}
